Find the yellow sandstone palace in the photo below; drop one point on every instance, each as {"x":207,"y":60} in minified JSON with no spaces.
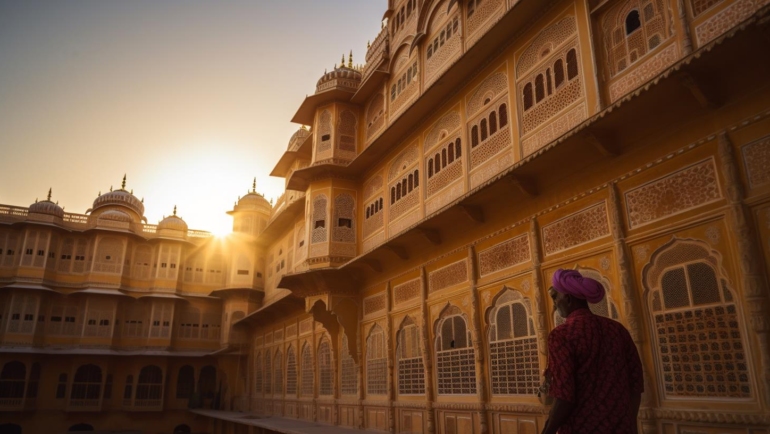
{"x":399,"y":285}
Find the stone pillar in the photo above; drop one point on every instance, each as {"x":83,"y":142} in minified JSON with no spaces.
{"x":537,"y":286}
{"x":684,"y":21}
{"x":390,"y":351}
{"x":427,"y":354}
{"x":360,"y":373}
{"x":631,"y":307}
{"x":481,"y":376}
{"x":627,"y":286}
{"x":751,"y":278}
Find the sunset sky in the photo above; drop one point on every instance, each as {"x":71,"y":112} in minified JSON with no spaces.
{"x":190,"y":99}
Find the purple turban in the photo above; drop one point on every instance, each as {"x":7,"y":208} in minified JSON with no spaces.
{"x":571,"y":282}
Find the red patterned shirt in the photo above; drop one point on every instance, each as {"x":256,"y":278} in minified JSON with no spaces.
{"x":594,"y":364}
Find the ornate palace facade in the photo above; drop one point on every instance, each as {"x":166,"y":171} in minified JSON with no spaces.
{"x":400,"y":283}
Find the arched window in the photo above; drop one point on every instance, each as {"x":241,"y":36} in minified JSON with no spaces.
{"x":474,"y":136}
{"x":34,"y":380}
{"x":376,"y":362}
{"x":443,"y":158}
{"x":149,"y":386}
{"x":268,"y":372}
{"x":86,"y":385}
{"x":437,"y":162}
{"x":633,"y":22}
{"x":185,"y":382}
{"x":411,"y":370}
{"x":380,"y":202}
{"x":348,"y":370}
{"x":483,"y":129}
{"x":548,"y":81}
{"x":416,"y":178}
{"x":458,"y":148}
{"x":128,"y":390}
{"x":61,"y":387}
{"x":326,"y":380}
{"x":258,"y":374}
{"x":455,"y":357}
{"x":207,"y":382}
{"x":513,"y":346}
{"x":12,"y":379}
{"x":527,"y":96}
{"x":398,"y":191}
{"x":451,"y":153}
{"x":278,"y":372}
{"x":291,"y":371}
{"x":367,"y":212}
{"x":492,"y":123}
{"x":411,"y":183}
{"x":539,"y":88}
{"x":572,"y":64}
{"x":430,"y":167}
{"x":393,"y":93}
{"x":430,"y":51}
{"x":403,"y":186}
{"x":308,"y":375}
{"x":699,"y":331}
{"x":558,"y":72}
{"x":392,"y":195}
{"x":503,"y":113}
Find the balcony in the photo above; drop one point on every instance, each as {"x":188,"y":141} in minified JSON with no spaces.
{"x":16,"y":404}
{"x":84,"y":405}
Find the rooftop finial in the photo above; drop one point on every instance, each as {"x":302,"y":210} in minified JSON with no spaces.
{"x":123,"y":186}
{"x":368,"y":44}
{"x":100,"y":193}
{"x":110,"y":188}
{"x":142,"y":200}
{"x":174,"y":210}
{"x":350,"y":59}
{"x":132,"y":191}
{"x":49,"y":194}
{"x":342,"y":64}
{"x":254,"y":185}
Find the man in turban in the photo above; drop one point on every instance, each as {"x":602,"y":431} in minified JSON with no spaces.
{"x":594,"y":369}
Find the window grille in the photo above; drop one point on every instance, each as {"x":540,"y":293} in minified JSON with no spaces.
{"x":278,"y":372}
{"x":455,"y":357}
{"x":699,"y":334}
{"x":376,"y":362}
{"x":86,"y":385}
{"x":513,"y":347}
{"x":12,"y":380}
{"x":411,"y":370}
{"x":325,"y":369}
{"x":185,"y":382}
{"x":291,"y":372}
{"x":348,"y":370}
{"x":307,"y":372}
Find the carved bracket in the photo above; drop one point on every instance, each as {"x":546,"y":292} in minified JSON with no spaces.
{"x":526,"y":185}
{"x":433,"y":236}
{"x":475,"y":213}
{"x":699,"y":90}
{"x":603,"y":142}
{"x":397,"y":250}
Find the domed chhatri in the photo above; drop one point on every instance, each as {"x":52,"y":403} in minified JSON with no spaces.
{"x":46,"y":207}
{"x":344,"y":77}
{"x":119,"y":198}
{"x":298,"y":138}
{"x":173,"y":222}
{"x":115,"y":216}
{"x":253,"y":201}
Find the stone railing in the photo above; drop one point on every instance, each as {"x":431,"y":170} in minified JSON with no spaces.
{"x":284,"y":201}
{"x":84,"y":405}
{"x":13,"y":212}
{"x":377,"y":52}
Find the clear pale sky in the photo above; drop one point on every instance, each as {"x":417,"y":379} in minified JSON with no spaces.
{"x":190,"y":99}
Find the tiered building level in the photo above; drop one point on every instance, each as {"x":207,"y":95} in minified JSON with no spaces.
{"x":483,"y":145}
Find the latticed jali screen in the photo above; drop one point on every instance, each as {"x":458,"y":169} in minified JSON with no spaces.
{"x":455,"y":359}
{"x":513,"y":352}
{"x":699,"y":335}
{"x":411,"y":370}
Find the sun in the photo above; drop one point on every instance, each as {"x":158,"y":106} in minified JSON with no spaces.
{"x":221,"y":228}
